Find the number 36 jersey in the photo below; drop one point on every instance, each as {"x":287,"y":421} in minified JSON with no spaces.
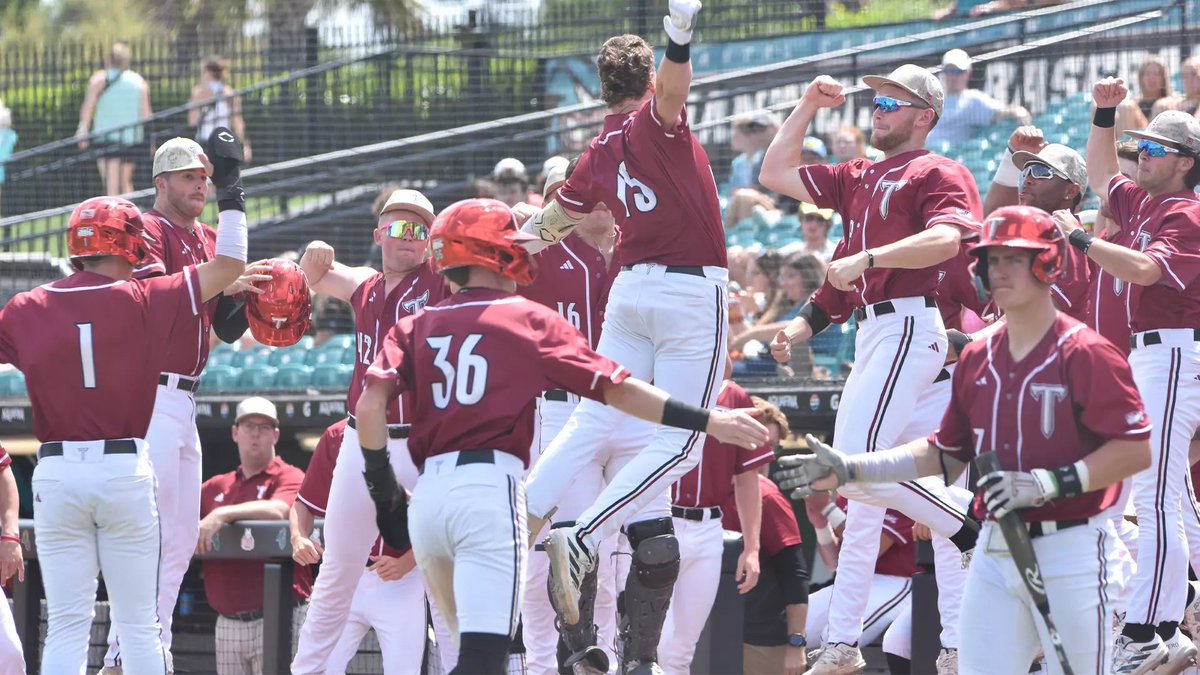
{"x":92,"y":348}
{"x":573,"y":280}
{"x":472,"y":365}
{"x":655,"y":178}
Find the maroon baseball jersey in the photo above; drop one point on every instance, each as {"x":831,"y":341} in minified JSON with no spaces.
{"x":1070,"y":292}
{"x":314,"y":490}
{"x":168,"y":250}
{"x":884,"y":202}
{"x":375,"y":312}
{"x":574,"y":280}
{"x":92,"y":348}
{"x":710,"y":483}
{"x":1168,"y":230}
{"x":236,"y":586}
{"x":473,"y":365}
{"x":779,"y":528}
{"x":1109,"y":305}
{"x":1071,"y":394}
{"x":900,"y":559}
{"x":656,"y":180}
{"x":956,"y":289}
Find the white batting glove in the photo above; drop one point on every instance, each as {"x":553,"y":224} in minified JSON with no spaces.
{"x":1006,"y":491}
{"x":682,"y":19}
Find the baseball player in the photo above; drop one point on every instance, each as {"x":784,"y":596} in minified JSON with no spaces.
{"x":1058,"y":405}
{"x":573,"y":279}
{"x":92,"y":347}
{"x":476,"y":361}
{"x":12,"y":564}
{"x":696,"y":499}
{"x":906,"y":217}
{"x":390,"y":597}
{"x":665,"y":320}
{"x":263,"y":487}
{"x":379,"y":299}
{"x":174,"y":239}
{"x":1162,"y":267}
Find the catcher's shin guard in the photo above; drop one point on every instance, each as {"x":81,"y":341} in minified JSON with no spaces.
{"x":577,"y":652}
{"x":647,"y":595}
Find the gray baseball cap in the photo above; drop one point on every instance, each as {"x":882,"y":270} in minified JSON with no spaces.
{"x":1062,"y":160}
{"x":178,"y":154}
{"x":916,"y":81}
{"x":1175,"y":127}
{"x":409,"y":200}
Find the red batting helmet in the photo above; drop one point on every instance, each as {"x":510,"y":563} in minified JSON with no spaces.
{"x":1023,"y":227}
{"x":483,"y":233}
{"x":282,"y":314}
{"x":105,"y":226}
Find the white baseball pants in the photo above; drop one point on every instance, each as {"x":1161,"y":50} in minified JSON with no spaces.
{"x":701,"y":547}
{"x":239,"y":644}
{"x":897,"y":639}
{"x":888,"y":598}
{"x":95,"y":513}
{"x":12,"y":658}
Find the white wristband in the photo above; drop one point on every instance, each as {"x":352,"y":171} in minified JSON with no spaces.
{"x":231,"y":235}
{"x":1085,"y":484}
{"x":1007,"y":173}
{"x":834,"y":515}
{"x":824,"y":535}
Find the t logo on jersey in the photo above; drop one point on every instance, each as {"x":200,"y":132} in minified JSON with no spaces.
{"x":888,"y":187}
{"x":262,"y":490}
{"x":416,"y":304}
{"x":1048,"y":395}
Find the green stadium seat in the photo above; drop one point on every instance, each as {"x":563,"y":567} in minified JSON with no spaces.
{"x":343,"y":341}
{"x":220,"y":357}
{"x":257,"y":378}
{"x":325,"y":354}
{"x":332,"y":376}
{"x":250,"y":358}
{"x":12,"y":383}
{"x":293,"y":376}
{"x":219,"y":377}
{"x":288,"y":355}
{"x":348,"y":356}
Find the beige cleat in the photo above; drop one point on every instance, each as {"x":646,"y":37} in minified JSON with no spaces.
{"x":947,"y":662}
{"x":838,"y":658}
{"x":1181,"y":655}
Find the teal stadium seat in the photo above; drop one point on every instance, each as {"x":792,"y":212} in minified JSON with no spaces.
{"x":257,"y":378}
{"x":325,"y":354}
{"x":343,"y":341}
{"x":219,"y":377}
{"x":251,"y":358}
{"x":332,"y":376}
{"x":293,"y":376}
{"x":287,"y":356}
{"x":221,"y":356}
{"x":12,"y":383}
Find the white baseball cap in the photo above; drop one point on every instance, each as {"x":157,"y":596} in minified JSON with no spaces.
{"x":551,"y":162}
{"x":509,"y":166}
{"x":178,"y":154}
{"x":916,"y":81}
{"x":957,"y":58}
{"x":555,"y":177}
{"x":409,"y":200}
{"x":256,"y":405}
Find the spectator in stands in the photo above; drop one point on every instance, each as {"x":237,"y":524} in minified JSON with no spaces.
{"x":222,"y":106}
{"x":8,"y":141}
{"x":815,"y":224}
{"x":263,"y":487}
{"x":849,"y":143}
{"x":813,"y":151}
{"x":750,"y":135}
{"x":512,"y":183}
{"x":1189,"y":100}
{"x":485,"y":189}
{"x":1153,"y":85}
{"x":551,"y":163}
{"x":977,"y":8}
{"x":1104,"y":226}
{"x":967,"y":113}
{"x":799,"y":277}
{"x":116,"y":99}
{"x":776,"y":610}
{"x":762,"y":284}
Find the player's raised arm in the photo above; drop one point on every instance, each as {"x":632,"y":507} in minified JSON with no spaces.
{"x":225,"y":157}
{"x":781,"y":163}
{"x":645,"y":401}
{"x":1102,"y":140}
{"x":675,"y":72}
{"x":1003,"y":191}
{"x":329,"y":277}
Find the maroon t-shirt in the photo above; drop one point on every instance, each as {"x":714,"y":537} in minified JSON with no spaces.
{"x":92,"y":348}
{"x":710,"y":483}
{"x":375,"y":312}
{"x":900,"y":560}
{"x":473,"y":364}
{"x":236,"y":586}
{"x":1071,"y":394}
{"x":168,"y":250}
{"x":314,"y":490}
{"x":574,"y":280}
{"x":1166,"y":228}
{"x":779,"y":528}
{"x":884,"y":202}
{"x":655,"y":178}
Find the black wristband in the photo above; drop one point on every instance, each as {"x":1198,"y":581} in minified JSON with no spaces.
{"x":682,"y":415}
{"x":231,"y":198}
{"x":678,"y":53}
{"x":1069,"y":484}
{"x":1105,"y":118}
{"x":870,"y":260}
{"x":816,"y":317}
{"x":1080,"y":240}
{"x":375,"y":459}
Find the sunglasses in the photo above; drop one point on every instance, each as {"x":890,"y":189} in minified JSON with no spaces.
{"x":1038,"y":171}
{"x":1156,"y":149}
{"x":951,"y":70}
{"x":399,"y":229}
{"x":890,"y":105}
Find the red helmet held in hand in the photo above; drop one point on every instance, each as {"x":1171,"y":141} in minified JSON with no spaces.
{"x":281,"y":315}
{"x":104,"y":226}
{"x":483,"y":233}
{"x":1027,"y":228}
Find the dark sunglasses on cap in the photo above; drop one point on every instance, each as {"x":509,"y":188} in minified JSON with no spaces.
{"x":890,"y":105}
{"x":1156,"y":149}
{"x":1038,"y":171}
{"x":399,"y":229}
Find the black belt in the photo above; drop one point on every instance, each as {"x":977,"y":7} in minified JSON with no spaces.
{"x":710,"y":513}
{"x":882,"y":308}
{"x":466,"y":457}
{"x":1154,"y":338}
{"x":560,"y":395}
{"x":396,"y":432}
{"x":1036,"y":529}
{"x":187,"y":384}
{"x":245,"y":616}
{"x":942,"y":376}
{"x":694,"y":270}
{"x":123,"y":446}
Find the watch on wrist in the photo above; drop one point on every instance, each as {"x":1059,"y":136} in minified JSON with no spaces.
{"x":797,"y":640}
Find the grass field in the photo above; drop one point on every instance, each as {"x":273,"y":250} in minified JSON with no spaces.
{"x":878,"y":12}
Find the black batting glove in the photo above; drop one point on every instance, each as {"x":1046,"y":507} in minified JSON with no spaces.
{"x":225,"y":152}
{"x":391,"y":505}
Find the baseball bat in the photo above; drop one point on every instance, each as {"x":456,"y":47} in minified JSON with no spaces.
{"x":1021,"y":548}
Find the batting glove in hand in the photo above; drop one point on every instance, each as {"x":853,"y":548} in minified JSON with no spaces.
{"x":1006,"y":491}
{"x":799,"y":472}
{"x":681,"y":20}
{"x":391,"y":506}
{"x":225,"y":152}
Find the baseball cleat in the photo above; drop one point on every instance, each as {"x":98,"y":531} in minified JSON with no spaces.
{"x":1181,"y":655}
{"x":947,"y":662}
{"x":570,"y":561}
{"x":838,"y":658}
{"x":591,"y":661}
{"x":1138,"y":658}
{"x":1191,"y":618}
{"x":111,"y":670}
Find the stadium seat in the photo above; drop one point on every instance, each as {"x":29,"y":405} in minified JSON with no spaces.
{"x":257,"y":378}
{"x":293,"y":375}
{"x":332,"y":376}
{"x":325,"y":354}
{"x":221,"y":356}
{"x":218,"y":377}
{"x":287,"y":355}
{"x":343,"y":341}
{"x":250,"y":358}
{"x":12,"y":383}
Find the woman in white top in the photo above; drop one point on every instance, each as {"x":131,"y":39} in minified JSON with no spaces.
{"x":223,"y":106}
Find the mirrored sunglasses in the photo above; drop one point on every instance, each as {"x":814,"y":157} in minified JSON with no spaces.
{"x":890,"y":105}
{"x":1035,"y":170}
{"x":399,"y":229}
{"x":1156,"y":149}
{"x":951,"y":70}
